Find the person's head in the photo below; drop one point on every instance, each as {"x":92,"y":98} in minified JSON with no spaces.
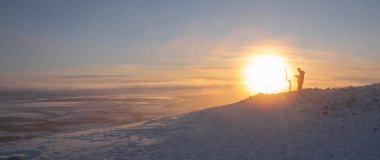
{"x":299,"y":69}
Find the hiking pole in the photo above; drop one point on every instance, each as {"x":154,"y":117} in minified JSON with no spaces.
{"x":290,"y":82}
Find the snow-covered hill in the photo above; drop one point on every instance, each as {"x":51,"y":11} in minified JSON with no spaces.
{"x":315,"y":124}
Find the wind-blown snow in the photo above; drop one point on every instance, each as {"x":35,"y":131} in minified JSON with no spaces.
{"x":315,"y":124}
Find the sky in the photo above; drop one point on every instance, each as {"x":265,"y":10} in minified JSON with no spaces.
{"x":98,"y":44}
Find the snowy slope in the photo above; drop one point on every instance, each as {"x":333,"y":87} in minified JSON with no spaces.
{"x":315,"y":124}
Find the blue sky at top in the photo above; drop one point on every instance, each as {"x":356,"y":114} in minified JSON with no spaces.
{"x":55,"y":34}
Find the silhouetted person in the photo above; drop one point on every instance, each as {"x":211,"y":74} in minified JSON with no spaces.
{"x":300,"y":78}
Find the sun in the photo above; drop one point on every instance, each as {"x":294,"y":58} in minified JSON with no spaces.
{"x":265,"y":74}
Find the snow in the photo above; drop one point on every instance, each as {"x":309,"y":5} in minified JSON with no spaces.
{"x":314,"y":124}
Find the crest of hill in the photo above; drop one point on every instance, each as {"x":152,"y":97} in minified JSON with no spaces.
{"x":351,"y":98}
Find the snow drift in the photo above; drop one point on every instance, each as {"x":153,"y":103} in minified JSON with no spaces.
{"x":314,"y":124}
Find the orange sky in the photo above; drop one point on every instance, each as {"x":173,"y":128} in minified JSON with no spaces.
{"x":222,"y":67}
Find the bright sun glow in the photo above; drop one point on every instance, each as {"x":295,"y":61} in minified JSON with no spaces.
{"x":266,"y":74}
